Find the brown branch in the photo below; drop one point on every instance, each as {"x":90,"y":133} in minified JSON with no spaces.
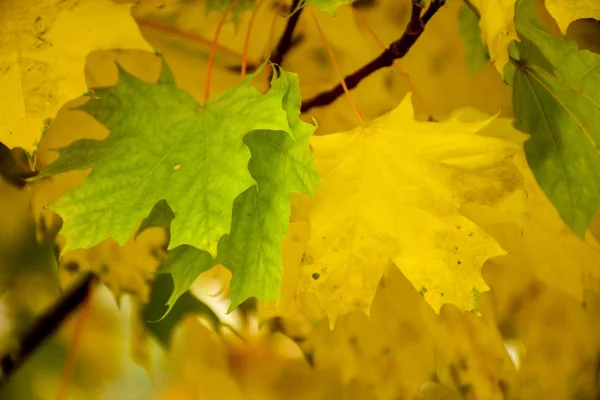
{"x":44,"y":327}
{"x":285,"y":41}
{"x":396,"y":50}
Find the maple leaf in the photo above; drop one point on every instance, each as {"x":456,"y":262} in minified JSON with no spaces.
{"x":555,"y":99}
{"x":405,"y":343}
{"x":280,"y":166}
{"x":497,"y":28}
{"x":43,"y":47}
{"x":546,"y":321}
{"x":393,"y":351}
{"x":252,"y":251}
{"x":531,"y":230}
{"x":391,"y":192}
{"x":567,"y":11}
{"x":160,"y":216}
{"x":163,"y":145}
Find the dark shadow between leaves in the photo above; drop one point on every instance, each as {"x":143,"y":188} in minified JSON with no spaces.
{"x":162,"y":329}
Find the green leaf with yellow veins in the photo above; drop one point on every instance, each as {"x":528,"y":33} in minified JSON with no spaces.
{"x":391,"y":193}
{"x":163,"y":145}
{"x":184,"y":264}
{"x":557,"y":101}
{"x":567,"y":11}
{"x":280,"y":166}
{"x":252,"y":251}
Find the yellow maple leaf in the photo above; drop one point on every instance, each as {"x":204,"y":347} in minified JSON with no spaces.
{"x":472,"y":356}
{"x":559,"y":336}
{"x":567,"y":11}
{"x":389,"y":354}
{"x":43,"y":46}
{"x":530,"y":228}
{"x":540,"y":242}
{"x":391,"y":192}
{"x":497,"y":28}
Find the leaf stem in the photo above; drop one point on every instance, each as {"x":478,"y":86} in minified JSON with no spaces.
{"x":248,"y":33}
{"x":336,"y":67}
{"x":213,"y":49}
{"x":196,"y":38}
{"x":77,"y":334}
{"x":396,"y":50}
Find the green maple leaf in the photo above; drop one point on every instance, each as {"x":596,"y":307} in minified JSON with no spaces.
{"x":183,"y":265}
{"x":252,"y":251}
{"x":163,"y":145}
{"x":280,"y":166}
{"x":161,"y":216}
{"x":162,"y":326}
{"x":556,"y":96}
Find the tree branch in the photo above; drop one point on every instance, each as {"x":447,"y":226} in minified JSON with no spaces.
{"x":44,"y":327}
{"x":396,"y":50}
{"x":285,"y":41}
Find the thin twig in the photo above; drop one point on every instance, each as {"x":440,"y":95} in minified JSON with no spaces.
{"x":44,"y":327}
{"x":396,"y":50}
{"x":248,"y":33}
{"x":285,"y":41}
{"x":213,"y":49}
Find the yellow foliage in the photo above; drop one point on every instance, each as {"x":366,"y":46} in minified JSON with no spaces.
{"x":530,"y":229}
{"x":559,"y":335}
{"x":127,"y":268}
{"x":497,"y":28}
{"x":567,"y":11}
{"x":389,"y":355}
{"x":407,"y":215}
{"x":391,"y":193}
{"x":43,"y":46}
{"x":201,"y":366}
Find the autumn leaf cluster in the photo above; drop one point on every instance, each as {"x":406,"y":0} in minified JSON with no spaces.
{"x":430,"y":233}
